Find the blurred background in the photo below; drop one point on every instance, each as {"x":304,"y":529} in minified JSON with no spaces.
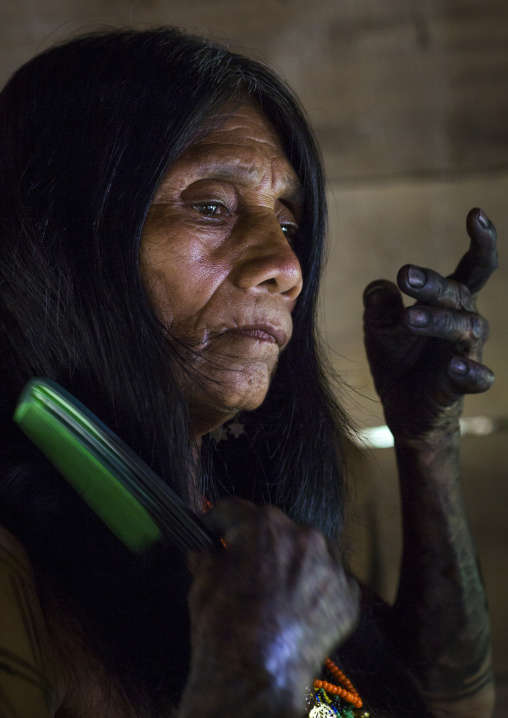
{"x":409,"y":101}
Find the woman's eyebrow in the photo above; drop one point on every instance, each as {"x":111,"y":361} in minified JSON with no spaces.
{"x":291,"y":189}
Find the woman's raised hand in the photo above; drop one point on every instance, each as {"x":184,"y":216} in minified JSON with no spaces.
{"x":425,"y":357}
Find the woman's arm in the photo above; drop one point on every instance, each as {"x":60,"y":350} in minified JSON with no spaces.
{"x":27,"y":686}
{"x":441,"y":616}
{"x":424,"y":359}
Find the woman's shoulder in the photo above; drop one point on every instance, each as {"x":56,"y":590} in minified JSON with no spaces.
{"x":28,"y":684}
{"x":46,"y":668}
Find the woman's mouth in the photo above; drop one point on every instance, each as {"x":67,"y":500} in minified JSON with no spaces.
{"x":262,"y":332}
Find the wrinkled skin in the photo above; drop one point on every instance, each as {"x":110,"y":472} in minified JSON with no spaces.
{"x":266,"y":610}
{"x":426,"y":357}
{"x":218,"y":264}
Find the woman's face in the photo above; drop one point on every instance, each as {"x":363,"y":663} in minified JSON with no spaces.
{"x":218,"y":265}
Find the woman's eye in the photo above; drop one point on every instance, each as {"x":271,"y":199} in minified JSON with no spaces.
{"x":210,"y":209}
{"x":290,"y":231}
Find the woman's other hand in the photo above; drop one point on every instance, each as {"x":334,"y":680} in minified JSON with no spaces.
{"x":425,"y":357}
{"x":266,"y":610}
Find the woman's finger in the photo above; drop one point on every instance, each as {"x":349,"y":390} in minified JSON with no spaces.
{"x":383,"y":304}
{"x":459,"y":327}
{"x":468,"y":376}
{"x":427,"y":286}
{"x":229,"y":515}
{"x":476,"y":266}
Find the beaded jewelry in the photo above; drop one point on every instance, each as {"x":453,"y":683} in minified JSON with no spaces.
{"x":327,"y":700}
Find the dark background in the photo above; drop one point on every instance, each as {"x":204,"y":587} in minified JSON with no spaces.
{"x":409,"y":100}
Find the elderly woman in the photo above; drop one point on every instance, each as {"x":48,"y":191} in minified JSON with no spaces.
{"x":161,"y":241}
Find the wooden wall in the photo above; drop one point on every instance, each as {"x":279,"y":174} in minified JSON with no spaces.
{"x":409,"y":100}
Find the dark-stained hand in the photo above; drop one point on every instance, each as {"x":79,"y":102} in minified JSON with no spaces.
{"x":424,"y":358}
{"x":273,"y":603}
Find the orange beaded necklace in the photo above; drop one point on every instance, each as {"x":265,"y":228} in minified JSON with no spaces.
{"x":336,"y":700}
{"x":344,"y":690}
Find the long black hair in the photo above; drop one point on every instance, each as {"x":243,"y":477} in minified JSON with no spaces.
{"x":87,"y":131}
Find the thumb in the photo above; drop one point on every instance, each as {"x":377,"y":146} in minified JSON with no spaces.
{"x":383,"y":304}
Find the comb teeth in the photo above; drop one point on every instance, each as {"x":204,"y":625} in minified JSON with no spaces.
{"x":118,"y":486}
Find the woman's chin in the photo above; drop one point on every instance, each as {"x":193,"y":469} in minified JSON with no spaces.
{"x":217,"y":407}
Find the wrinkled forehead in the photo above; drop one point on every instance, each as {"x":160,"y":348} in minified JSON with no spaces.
{"x":240,"y":145}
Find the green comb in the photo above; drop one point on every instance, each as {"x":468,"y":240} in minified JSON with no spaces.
{"x":118,"y":486}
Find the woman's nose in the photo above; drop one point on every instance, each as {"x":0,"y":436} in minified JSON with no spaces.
{"x":266,"y":261}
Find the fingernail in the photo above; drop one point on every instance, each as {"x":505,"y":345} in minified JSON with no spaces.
{"x":477,"y":327}
{"x":372,"y":294}
{"x":416,"y":277}
{"x":458,"y":366}
{"x":484,"y":220}
{"x":418,"y":317}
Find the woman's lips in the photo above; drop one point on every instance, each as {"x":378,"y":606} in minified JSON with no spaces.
{"x":262,"y":332}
